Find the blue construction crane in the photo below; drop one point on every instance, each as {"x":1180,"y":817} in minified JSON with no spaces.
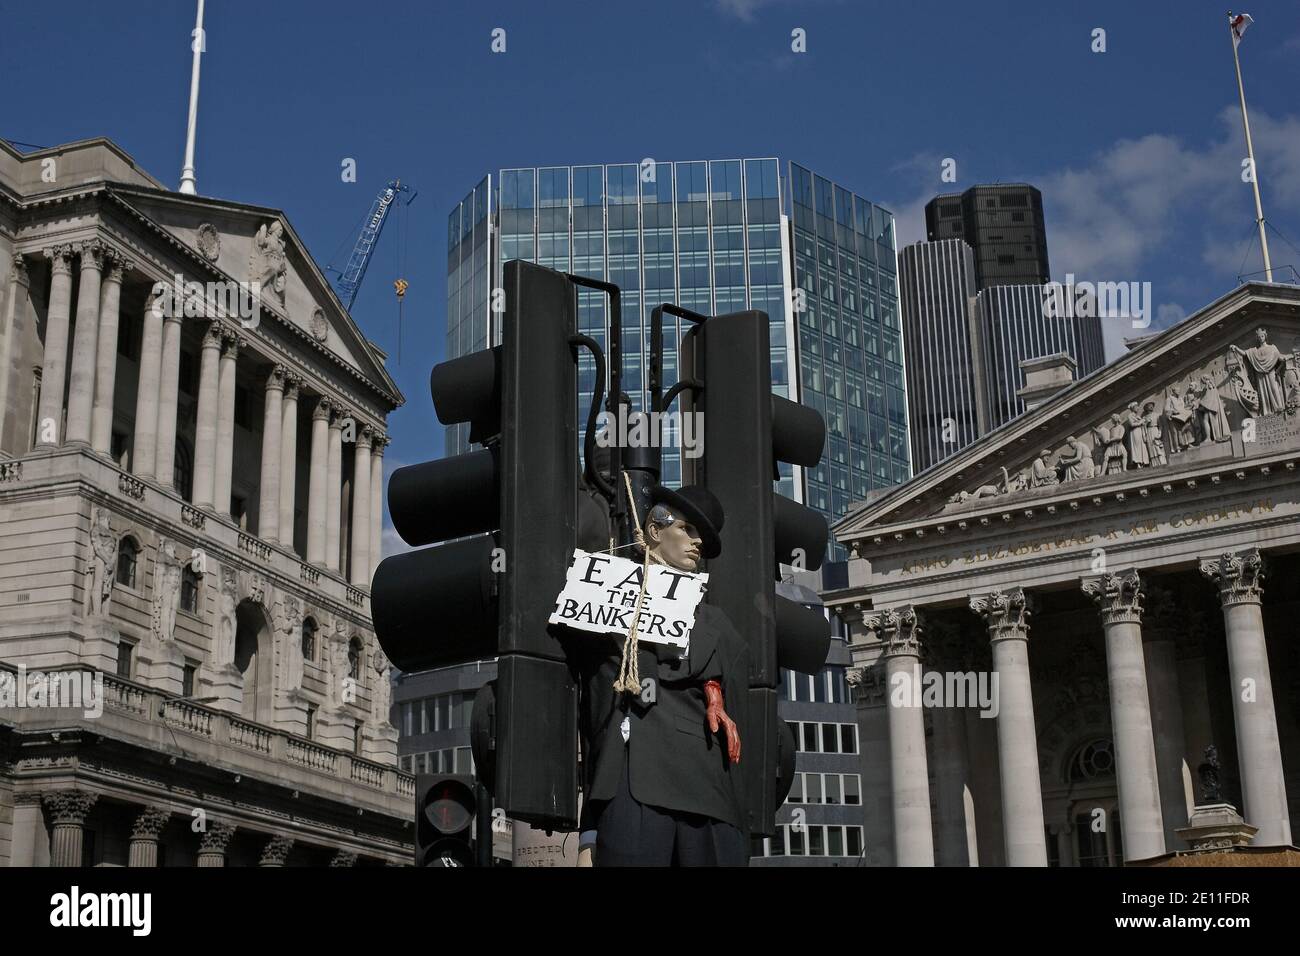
{"x":349,"y":279}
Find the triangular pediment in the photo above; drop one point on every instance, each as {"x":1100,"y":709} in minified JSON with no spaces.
{"x":254,"y":244}
{"x":1204,"y":390}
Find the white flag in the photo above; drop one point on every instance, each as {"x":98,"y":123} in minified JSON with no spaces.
{"x":1239,"y":24}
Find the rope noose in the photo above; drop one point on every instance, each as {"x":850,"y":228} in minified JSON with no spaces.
{"x":629,"y":677}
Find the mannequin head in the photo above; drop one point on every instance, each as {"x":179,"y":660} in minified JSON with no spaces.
{"x":672,"y":540}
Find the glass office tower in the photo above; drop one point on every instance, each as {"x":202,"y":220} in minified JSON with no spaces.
{"x":715,"y":237}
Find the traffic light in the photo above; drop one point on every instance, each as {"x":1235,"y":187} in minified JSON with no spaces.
{"x":747,"y":432}
{"x":445,"y":806}
{"x":502,"y":522}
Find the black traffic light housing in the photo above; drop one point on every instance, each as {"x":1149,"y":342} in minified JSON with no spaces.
{"x":747,"y":431}
{"x":511,"y":508}
{"x":445,"y":806}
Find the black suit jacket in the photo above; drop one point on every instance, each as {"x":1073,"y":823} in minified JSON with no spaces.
{"x":675,"y":762}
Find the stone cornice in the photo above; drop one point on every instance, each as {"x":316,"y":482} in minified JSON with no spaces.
{"x":1136,"y":487}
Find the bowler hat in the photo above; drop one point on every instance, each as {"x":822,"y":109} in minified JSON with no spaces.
{"x":698,"y":506}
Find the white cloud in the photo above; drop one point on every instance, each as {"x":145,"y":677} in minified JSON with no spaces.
{"x":391,"y":542}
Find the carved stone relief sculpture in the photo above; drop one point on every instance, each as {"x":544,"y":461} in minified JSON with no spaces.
{"x":101,"y":568}
{"x":166,"y":590}
{"x":269,"y":266}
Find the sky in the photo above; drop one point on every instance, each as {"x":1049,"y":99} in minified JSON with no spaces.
{"x":1137,"y":148}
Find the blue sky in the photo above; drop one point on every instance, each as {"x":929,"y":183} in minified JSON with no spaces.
{"x":1137,"y":150}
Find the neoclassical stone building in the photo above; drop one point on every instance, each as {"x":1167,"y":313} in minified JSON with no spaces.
{"x":190,"y":501}
{"x":1120,"y":566}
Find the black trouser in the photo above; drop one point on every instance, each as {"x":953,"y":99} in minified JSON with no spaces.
{"x":630,"y":833}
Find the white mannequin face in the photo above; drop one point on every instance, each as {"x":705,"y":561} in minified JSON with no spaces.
{"x":677,"y":545}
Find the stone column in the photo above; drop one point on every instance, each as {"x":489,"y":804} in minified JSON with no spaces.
{"x":67,"y":810}
{"x":1240,"y":578}
{"x":376,"y":502}
{"x":1007,"y":614}
{"x":276,"y":851}
{"x":333,"y":491}
{"x":957,"y":844}
{"x":318,"y":481}
{"x":213,"y":842}
{"x":54,"y":369}
{"x":909,"y":776}
{"x":101,"y":416}
{"x":1160,"y":625}
{"x":168,"y":399}
{"x":19,"y":283}
{"x":145,"y":445}
{"x":288,"y":460}
{"x":85,"y":344}
{"x":1063,"y":833}
{"x":360,"y":536}
{"x":268,"y":506}
{"x":205,"y":432}
{"x":225,"y":453}
{"x":1119,"y":598}
{"x":144,"y":836}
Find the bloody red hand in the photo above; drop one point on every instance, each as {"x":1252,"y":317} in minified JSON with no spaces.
{"x":718,"y":717}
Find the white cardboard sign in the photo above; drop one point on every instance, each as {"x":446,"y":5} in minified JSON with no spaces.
{"x":600,"y":592}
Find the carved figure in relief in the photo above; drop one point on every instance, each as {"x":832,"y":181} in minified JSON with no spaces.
{"x":1264,"y":369}
{"x":1291,"y":381}
{"x":223,"y":643}
{"x":166,"y":590}
{"x":1244,"y":391}
{"x":1211,"y":419}
{"x":1076,"y":460}
{"x":381,"y":689}
{"x":1135,"y":442}
{"x":1041,"y":472}
{"x":269,"y":264}
{"x":101,"y":569}
{"x":1110,"y":435}
{"x":1179,"y":421}
{"x":290,"y":627}
{"x":1151,"y":434}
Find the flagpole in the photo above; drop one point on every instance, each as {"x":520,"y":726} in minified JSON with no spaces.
{"x":1250,"y":152}
{"x":187,"y":173}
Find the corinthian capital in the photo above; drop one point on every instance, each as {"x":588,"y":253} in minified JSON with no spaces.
{"x":69,"y":806}
{"x":1117,"y":596}
{"x":1005,"y":612}
{"x":324,"y":409}
{"x":150,"y":823}
{"x":18,"y":272}
{"x":60,"y":257}
{"x":898,"y":628}
{"x":1239,"y":576}
{"x":92,"y":253}
{"x":215,"y":838}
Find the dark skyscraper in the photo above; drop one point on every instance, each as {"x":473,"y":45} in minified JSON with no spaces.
{"x":1004,"y":227}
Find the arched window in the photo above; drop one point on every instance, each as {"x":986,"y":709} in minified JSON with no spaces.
{"x":1094,"y":759}
{"x":354,"y":659}
{"x":128,"y":558}
{"x":309,"y":639}
{"x":190,"y":590}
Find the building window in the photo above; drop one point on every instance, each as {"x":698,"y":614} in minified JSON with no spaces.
{"x":356,"y":739}
{"x":183,"y":468}
{"x":190,"y":590}
{"x":186,"y":374}
{"x":128,"y":558}
{"x":239,"y":511}
{"x":125,"y":650}
{"x":309,"y":639}
{"x":311,"y":731}
{"x":187,"y":679}
{"x":354,"y":659}
{"x":405,"y":763}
